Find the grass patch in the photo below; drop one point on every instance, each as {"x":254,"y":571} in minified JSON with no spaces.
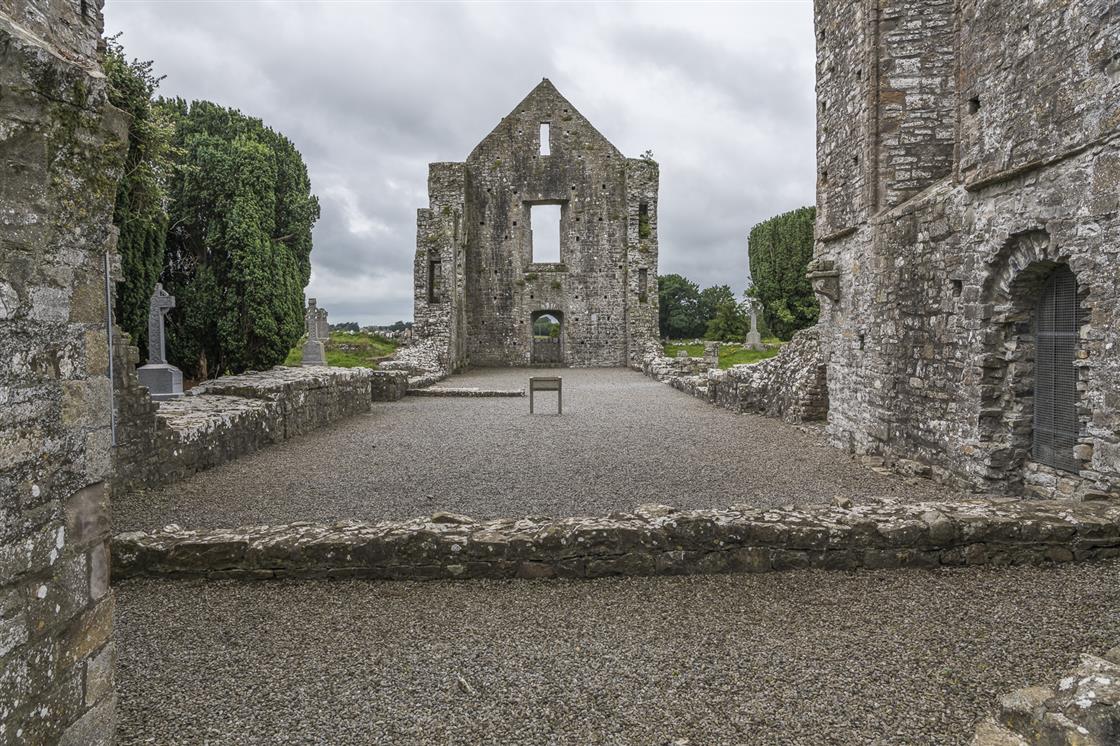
{"x":349,"y":350}
{"x":729,"y":352}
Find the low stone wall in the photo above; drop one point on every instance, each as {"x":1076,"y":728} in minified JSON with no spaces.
{"x":465,"y":392}
{"x":654,"y":540}
{"x":388,"y":385}
{"x":421,"y":361}
{"x":221,"y":420}
{"x":792,"y":385}
{"x":1084,"y":708}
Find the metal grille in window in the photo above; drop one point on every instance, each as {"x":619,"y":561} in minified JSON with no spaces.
{"x":1055,"y":387}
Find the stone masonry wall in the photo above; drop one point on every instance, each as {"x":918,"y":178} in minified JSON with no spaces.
{"x":61,"y":146}
{"x":653,"y":540}
{"x":221,"y":420}
{"x":792,"y":385}
{"x":929,"y":346}
{"x":1083,"y":708}
{"x":475,"y":282}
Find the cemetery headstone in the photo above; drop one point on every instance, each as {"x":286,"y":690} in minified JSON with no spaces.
{"x":314,"y":350}
{"x":164,"y":381}
{"x":754,"y":339}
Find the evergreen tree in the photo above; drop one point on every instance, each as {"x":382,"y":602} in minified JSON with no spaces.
{"x":780,"y":250}
{"x":239,"y":249}
{"x":678,"y":307}
{"x":140,"y":212}
{"x":729,"y":323}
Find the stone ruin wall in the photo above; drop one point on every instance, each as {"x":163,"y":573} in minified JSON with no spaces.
{"x":955,"y":149}
{"x":792,"y":385}
{"x":61,"y":146}
{"x":476,"y":310}
{"x":226,"y":418}
{"x":651,"y":540}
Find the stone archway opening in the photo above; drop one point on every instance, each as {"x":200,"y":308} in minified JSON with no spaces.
{"x":1031,"y":415}
{"x":547,"y":328}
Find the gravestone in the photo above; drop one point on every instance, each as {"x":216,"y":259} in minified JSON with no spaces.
{"x":682,"y":353}
{"x":754,"y":339}
{"x":164,"y":381}
{"x":314,"y":351}
{"x":711,"y":354}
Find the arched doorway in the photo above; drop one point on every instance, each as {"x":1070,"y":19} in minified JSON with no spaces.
{"x":547,"y":328}
{"x":1031,"y":416}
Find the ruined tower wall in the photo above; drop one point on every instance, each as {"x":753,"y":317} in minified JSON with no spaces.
{"x":642,"y":181}
{"x":439,"y":281}
{"x":479,"y":225}
{"x":61,"y":145}
{"x":929,"y":344}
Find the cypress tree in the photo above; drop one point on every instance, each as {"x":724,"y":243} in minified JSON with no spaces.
{"x":780,"y":250}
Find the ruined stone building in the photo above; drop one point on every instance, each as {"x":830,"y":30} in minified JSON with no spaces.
{"x":61,"y":147}
{"x":968,"y":238}
{"x":545,"y":219}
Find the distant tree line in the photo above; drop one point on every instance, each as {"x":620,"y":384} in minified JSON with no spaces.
{"x":219,"y":208}
{"x":687,"y":312}
{"x":780,"y":250}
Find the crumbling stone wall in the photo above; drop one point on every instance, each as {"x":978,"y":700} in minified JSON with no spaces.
{"x":791,"y":385}
{"x":476,"y":284}
{"x":977,"y":149}
{"x":653,"y":540}
{"x":1082,"y":708}
{"x":61,"y":147}
{"x":224,"y":419}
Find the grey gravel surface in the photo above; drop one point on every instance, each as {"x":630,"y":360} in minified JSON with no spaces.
{"x":623,"y":440}
{"x":871,"y":657}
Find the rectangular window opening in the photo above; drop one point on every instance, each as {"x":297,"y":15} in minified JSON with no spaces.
{"x":644,"y":229}
{"x":546,"y":145}
{"x":643,"y":280}
{"x":544,"y":233}
{"x":435,"y":280}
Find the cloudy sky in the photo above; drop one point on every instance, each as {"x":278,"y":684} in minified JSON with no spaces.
{"x":370,"y":93}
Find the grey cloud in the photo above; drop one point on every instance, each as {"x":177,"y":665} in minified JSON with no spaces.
{"x":371,"y":93}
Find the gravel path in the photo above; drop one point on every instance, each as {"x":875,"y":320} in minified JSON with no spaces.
{"x":623,"y":440}
{"x":904,"y":657}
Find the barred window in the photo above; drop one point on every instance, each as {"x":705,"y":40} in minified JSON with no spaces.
{"x":1055,"y":382}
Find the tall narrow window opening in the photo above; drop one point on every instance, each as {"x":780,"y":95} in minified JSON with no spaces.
{"x":1055,"y":381}
{"x":546,"y":144}
{"x":644,"y":230}
{"x":435,"y":280}
{"x":643,"y":280}
{"x":544,"y":233}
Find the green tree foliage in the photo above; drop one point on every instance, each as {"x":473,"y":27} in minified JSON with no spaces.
{"x":780,"y":250}
{"x":729,"y":322}
{"x":139,"y":212}
{"x":678,"y":307}
{"x":239,"y":247}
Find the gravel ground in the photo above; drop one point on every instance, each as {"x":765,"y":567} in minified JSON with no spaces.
{"x":623,"y":440}
{"x":871,"y":657}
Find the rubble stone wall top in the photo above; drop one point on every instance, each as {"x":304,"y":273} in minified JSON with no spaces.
{"x":653,"y":540}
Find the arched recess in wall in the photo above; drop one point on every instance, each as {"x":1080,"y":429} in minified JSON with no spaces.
{"x":547,"y":328}
{"x":1034,"y":303}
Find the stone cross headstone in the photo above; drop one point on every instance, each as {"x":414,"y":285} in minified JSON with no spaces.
{"x":754,"y":339}
{"x":314,"y":351}
{"x":164,"y":381}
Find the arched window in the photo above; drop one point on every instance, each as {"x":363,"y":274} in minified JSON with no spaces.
{"x":1055,"y":380}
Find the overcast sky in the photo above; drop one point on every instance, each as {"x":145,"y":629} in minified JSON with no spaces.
{"x":371,"y":93}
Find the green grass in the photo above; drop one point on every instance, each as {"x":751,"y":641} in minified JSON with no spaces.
{"x":729,"y":352}
{"x":349,"y":350}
